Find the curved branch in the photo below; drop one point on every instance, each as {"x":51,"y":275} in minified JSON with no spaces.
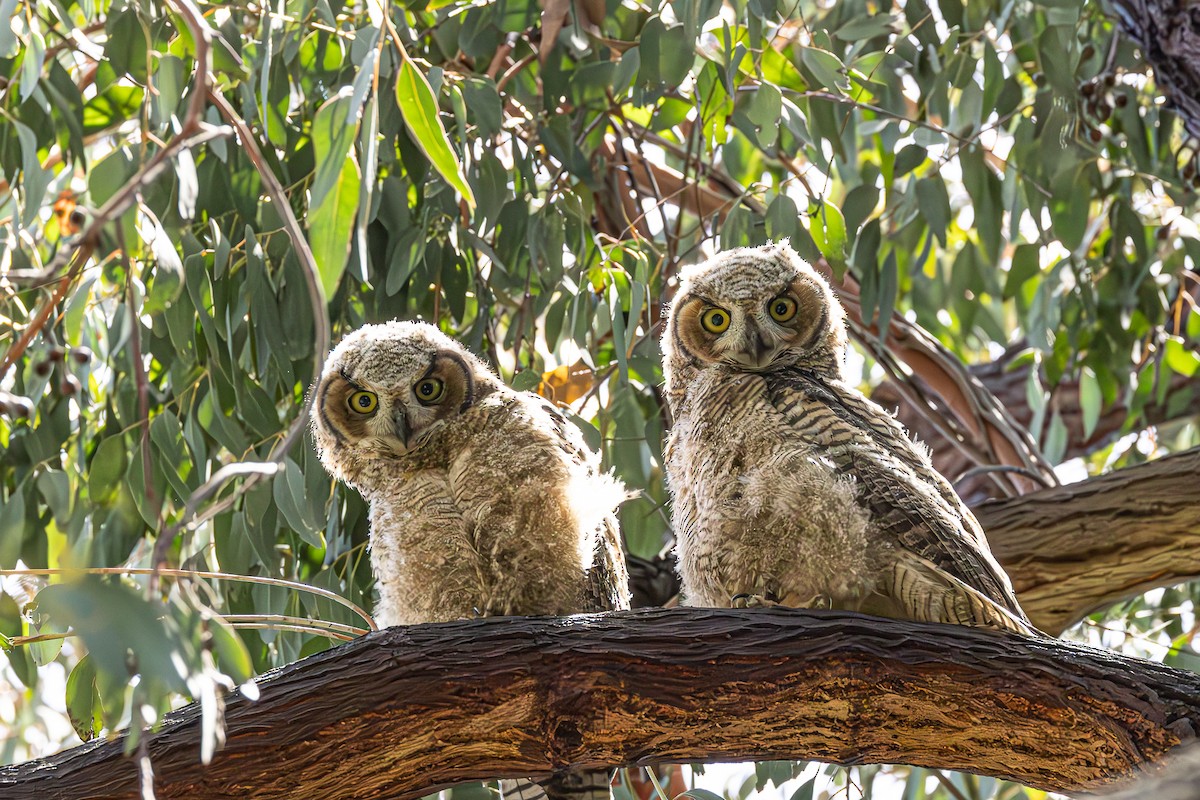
{"x":1073,"y":549}
{"x":405,"y":711}
{"x":1179,"y":399}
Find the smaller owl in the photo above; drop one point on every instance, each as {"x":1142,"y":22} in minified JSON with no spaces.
{"x":484,"y":501}
{"x":788,"y":483}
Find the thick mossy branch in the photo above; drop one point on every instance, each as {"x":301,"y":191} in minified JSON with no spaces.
{"x":405,"y":711}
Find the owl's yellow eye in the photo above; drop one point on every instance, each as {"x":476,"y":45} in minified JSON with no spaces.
{"x":429,"y":390}
{"x":782,"y":309}
{"x":715,"y":320}
{"x":363,"y":402}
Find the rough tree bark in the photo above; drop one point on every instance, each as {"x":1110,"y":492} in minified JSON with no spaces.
{"x":1072,"y":549}
{"x":1178,"y":779}
{"x":405,"y":711}
{"x":1076,"y":548}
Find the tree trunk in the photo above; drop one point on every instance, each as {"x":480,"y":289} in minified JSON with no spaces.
{"x":406,"y":711}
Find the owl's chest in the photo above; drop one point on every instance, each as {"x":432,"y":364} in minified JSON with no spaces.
{"x":761,"y":501}
{"x":732,"y":426}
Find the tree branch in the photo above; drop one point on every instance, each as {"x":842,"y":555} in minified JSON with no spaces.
{"x":1007,"y":382}
{"x":1073,"y":549}
{"x":408,"y":710}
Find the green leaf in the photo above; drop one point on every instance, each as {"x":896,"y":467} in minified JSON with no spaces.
{"x":828,"y":229}
{"x":1024,"y":266}
{"x":419,"y":107}
{"x":700,"y":794}
{"x":1090,"y":400}
{"x":484,"y":105}
{"x":83,"y":700}
{"x":232,"y":656}
{"x":55,"y":487}
{"x":12,"y":528}
{"x":34,"y":179}
{"x":934,"y":203}
{"x":43,"y":653}
{"x":859,"y":204}
{"x":763,"y":110}
{"x":805,"y":790}
{"x":112,"y":620}
{"x":107,"y":469}
{"x":290,"y":497}
{"x":167,"y":284}
{"x":9,"y":44}
{"x":333,"y":201}
{"x":1180,"y":358}
{"x":114,"y":106}
{"x":889,"y":280}
{"x":908,"y":159}
{"x":1055,"y":446}
{"x":866,"y":28}
{"x":33,"y":61}
{"x":828,"y":69}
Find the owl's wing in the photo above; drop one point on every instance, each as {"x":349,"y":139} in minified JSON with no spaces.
{"x":906,"y":498}
{"x":608,"y":579}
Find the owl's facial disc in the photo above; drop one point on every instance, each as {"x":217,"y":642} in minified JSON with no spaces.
{"x":752,"y":332}
{"x":389,"y":418}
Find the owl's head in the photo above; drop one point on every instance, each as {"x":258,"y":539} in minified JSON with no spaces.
{"x":756,"y":309}
{"x":385,"y":390}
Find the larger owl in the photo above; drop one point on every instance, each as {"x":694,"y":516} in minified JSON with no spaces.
{"x":789,"y":485}
{"x":484,"y":501}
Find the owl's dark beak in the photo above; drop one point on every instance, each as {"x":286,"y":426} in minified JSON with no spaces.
{"x":761,"y":347}
{"x":400,"y":425}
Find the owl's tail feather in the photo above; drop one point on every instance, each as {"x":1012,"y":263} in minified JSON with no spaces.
{"x":567,"y":786}
{"x":928,"y":594}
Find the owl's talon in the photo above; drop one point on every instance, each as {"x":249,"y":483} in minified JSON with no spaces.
{"x":747,"y":600}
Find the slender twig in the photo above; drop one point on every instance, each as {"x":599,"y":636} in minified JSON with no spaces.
{"x":84,"y":252}
{"x":513,"y":70}
{"x":194,"y":573}
{"x":947,"y":785}
{"x":140,"y":380}
{"x":254,"y":471}
{"x":21,"y":641}
{"x":264,"y":626}
{"x":658,"y":788}
{"x":983,"y":469}
{"x":285,"y":619}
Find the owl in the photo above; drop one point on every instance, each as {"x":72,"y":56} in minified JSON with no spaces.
{"x":484,"y":501}
{"x":789,"y":485}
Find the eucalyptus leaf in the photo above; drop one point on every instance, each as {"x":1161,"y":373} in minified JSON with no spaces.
{"x":419,"y":108}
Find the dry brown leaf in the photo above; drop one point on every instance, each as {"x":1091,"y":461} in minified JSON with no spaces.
{"x":566,"y":384}
{"x":554,"y":15}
